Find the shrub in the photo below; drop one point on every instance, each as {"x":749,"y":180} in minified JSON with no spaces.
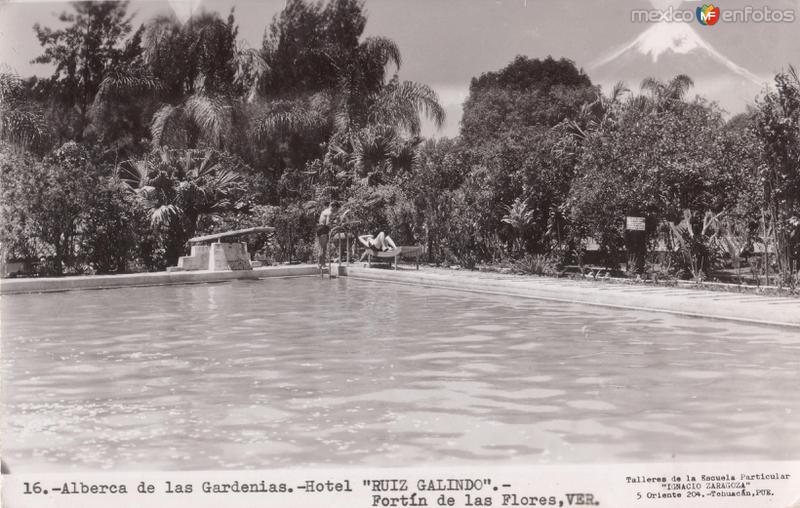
{"x":111,"y":228}
{"x":43,"y":204}
{"x":536,"y":264}
{"x":696,"y":238}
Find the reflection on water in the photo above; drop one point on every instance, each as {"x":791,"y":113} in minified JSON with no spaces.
{"x":297,"y":372}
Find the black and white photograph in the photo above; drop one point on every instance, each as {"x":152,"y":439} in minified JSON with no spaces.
{"x":281,"y":237}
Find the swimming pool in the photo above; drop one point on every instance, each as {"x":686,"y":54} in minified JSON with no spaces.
{"x":308,"y":372}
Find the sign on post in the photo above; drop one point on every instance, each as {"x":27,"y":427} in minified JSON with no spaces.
{"x":634,"y":223}
{"x":635,"y":243}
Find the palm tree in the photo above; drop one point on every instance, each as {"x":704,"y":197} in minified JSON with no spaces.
{"x":200,"y":120}
{"x":400,"y":104}
{"x":595,"y":116}
{"x":22,"y":121}
{"x":379,"y":131}
{"x":359,"y":75}
{"x":242,"y":117}
{"x":372,"y":150}
{"x":667,"y":95}
{"x":207,"y":80}
{"x":178,"y":187}
{"x":377,"y":151}
{"x":219,"y":102}
{"x":364,"y":97}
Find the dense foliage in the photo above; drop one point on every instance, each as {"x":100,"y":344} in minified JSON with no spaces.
{"x":193,"y":132}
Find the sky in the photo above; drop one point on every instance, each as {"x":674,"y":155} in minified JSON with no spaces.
{"x":445,"y":43}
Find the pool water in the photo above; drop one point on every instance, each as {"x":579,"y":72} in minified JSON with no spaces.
{"x":312,"y":372}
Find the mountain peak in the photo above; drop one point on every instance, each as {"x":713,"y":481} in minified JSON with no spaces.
{"x":663,"y":37}
{"x":679,"y":39}
{"x":184,"y":9}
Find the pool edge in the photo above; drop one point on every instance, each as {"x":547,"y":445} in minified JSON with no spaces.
{"x":701,"y":304}
{"x":83,"y":282}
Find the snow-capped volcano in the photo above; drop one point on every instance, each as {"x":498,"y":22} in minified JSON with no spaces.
{"x":184,"y":9}
{"x":676,"y":38}
{"x":667,"y":49}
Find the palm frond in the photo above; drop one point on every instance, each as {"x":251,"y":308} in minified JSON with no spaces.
{"x":373,"y":150}
{"x":10,"y":85}
{"x":211,"y":115}
{"x":24,"y":126}
{"x":651,"y":85}
{"x":795,"y":76}
{"x":169,"y":127}
{"x":149,"y":194}
{"x":667,"y":93}
{"x":679,"y":86}
{"x":163,"y":214}
{"x":22,"y":121}
{"x":381,"y":50}
{"x":133,"y":173}
{"x":618,"y":91}
{"x":407,"y":156}
{"x":251,"y":68}
{"x":282,"y":116}
{"x":225,"y":180}
{"x":402,"y":103}
{"x":132,"y":81}
{"x":160,"y":31}
{"x":321,"y":103}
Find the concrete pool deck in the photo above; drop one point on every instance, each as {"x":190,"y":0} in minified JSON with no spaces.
{"x":51,"y":284}
{"x":745,"y":308}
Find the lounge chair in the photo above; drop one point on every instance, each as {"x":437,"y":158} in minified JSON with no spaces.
{"x":393,"y":254}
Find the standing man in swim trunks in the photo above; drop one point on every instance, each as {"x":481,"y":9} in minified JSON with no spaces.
{"x":324,"y":230}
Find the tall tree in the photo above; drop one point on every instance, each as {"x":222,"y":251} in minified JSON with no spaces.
{"x":778,"y":128}
{"x":319,"y":50}
{"x":191,"y":57}
{"x":92,"y":45}
{"x":195,"y":67}
{"x":509,"y":137}
{"x":688,"y":163}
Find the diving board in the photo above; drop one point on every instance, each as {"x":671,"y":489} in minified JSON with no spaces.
{"x":238,"y":232}
{"x":209,"y":252}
